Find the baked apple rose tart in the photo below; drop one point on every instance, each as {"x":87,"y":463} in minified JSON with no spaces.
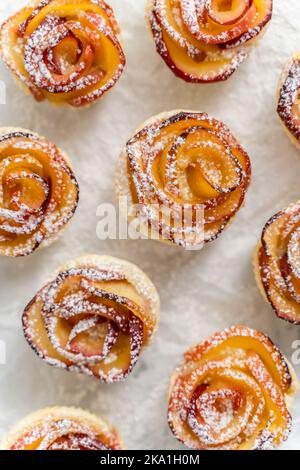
{"x":205,"y":41}
{"x":277,"y":263}
{"x":288,"y":103}
{"x":232,"y":392}
{"x":188,"y":176}
{"x":65,"y":51}
{"x":38,"y":192}
{"x":95,"y":316}
{"x":62,"y":428}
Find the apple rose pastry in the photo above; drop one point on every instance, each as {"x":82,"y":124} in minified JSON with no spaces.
{"x":289,"y":94}
{"x":232,"y":392}
{"x":95,"y":316}
{"x":187,"y":175}
{"x":206,"y":41}
{"x":38,"y":191}
{"x":61,"y":428}
{"x":65,"y":51}
{"x":277,"y":263}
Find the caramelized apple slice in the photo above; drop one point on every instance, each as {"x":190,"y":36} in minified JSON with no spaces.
{"x":93,"y":318}
{"x":93,"y":337}
{"x":38,"y":192}
{"x":206,"y":41}
{"x":185,"y":160}
{"x":63,"y":51}
{"x":288,"y":104}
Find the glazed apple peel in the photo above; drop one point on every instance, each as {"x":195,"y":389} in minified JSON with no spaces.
{"x":230,"y":393}
{"x":206,"y":40}
{"x":65,"y":51}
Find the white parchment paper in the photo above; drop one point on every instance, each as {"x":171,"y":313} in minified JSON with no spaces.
{"x":201,"y":292}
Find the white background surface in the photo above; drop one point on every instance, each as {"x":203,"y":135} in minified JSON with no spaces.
{"x":201,"y":292}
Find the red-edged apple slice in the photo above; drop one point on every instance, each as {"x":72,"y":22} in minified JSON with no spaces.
{"x":228,"y":12}
{"x":200,"y":69}
{"x":286,"y":308}
{"x":64,"y":56}
{"x":290,"y":266}
{"x":76,"y":442}
{"x":93,"y":337}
